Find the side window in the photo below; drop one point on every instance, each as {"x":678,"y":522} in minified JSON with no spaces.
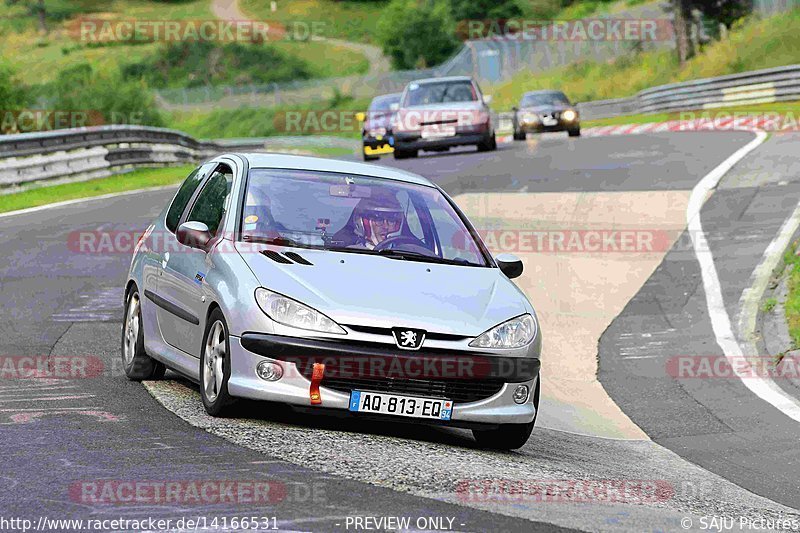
{"x":184,"y":194}
{"x":209,"y":207}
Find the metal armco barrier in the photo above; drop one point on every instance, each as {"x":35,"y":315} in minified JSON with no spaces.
{"x":755,"y":87}
{"x":95,"y":152}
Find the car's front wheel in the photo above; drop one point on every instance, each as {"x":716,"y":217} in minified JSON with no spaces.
{"x":574,"y":132}
{"x":215,"y":366}
{"x":368,"y":157}
{"x":508,"y":436}
{"x":519,"y":135}
{"x":489,"y":144}
{"x":137,"y":364}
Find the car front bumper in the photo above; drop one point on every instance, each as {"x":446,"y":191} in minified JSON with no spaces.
{"x":378,"y":145}
{"x":294,"y":387}
{"x":538,"y":127}
{"x":464,"y":136}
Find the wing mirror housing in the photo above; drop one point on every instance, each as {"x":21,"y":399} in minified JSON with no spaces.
{"x":361,"y":116}
{"x":487,"y":99}
{"x":194,"y":235}
{"x":510,"y":265}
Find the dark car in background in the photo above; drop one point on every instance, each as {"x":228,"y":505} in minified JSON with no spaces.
{"x":437,"y":114}
{"x":541,"y":111}
{"x":376,"y":131}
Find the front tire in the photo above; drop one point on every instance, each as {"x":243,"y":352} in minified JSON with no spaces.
{"x":519,"y":135}
{"x":509,"y":436}
{"x":137,"y":364}
{"x":489,"y":144}
{"x":574,"y":133}
{"x":369,"y":157}
{"x":215,"y":366}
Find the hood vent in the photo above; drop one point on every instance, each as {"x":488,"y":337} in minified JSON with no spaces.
{"x":275,"y":256}
{"x":288,"y":258}
{"x":297,"y":258}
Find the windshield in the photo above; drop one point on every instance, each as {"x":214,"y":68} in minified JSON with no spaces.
{"x":383,"y":103}
{"x":554,"y":99}
{"x":440,"y":93}
{"x":354,"y":213}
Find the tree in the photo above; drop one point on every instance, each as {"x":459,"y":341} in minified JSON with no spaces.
{"x":34,"y":7}
{"x":417,"y":33}
{"x":485,"y":9}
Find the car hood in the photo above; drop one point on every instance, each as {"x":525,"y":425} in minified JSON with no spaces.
{"x":368,"y":290}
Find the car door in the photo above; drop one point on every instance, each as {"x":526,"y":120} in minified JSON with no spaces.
{"x":184,"y":268}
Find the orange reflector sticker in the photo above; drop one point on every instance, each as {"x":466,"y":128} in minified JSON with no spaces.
{"x":316,"y":377}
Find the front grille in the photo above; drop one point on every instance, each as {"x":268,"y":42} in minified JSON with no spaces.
{"x":458,"y":390}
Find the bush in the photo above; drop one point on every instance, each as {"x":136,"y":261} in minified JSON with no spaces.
{"x":108,"y":97}
{"x":194,"y":64}
{"x":12,"y":95}
{"x":417,"y":33}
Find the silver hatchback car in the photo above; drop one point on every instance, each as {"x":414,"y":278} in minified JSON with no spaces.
{"x":333,"y":285}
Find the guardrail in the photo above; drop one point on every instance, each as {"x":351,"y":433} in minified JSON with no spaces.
{"x":755,"y":87}
{"x":87,"y":153}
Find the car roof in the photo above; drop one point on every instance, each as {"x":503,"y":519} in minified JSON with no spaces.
{"x":297,"y":162}
{"x":442,"y":79}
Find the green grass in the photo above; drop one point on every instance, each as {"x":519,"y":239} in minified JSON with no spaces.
{"x":776,"y":107}
{"x":259,"y":121}
{"x":769,"y":304}
{"x":352,"y":20}
{"x":792,"y":304}
{"x":39,"y":58}
{"x":758,"y":44}
{"x":138,"y":179}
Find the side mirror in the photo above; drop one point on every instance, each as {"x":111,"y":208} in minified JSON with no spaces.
{"x":361,"y":116}
{"x":487,"y":99}
{"x":510,"y":265}
{"x":394,"y":107}
{"x":193,"y":235}
{"x":515,"y":109}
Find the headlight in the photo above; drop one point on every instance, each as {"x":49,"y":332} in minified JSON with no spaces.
{"x":291,"y":313}
{"x":530,"y":118}
{"x":513,"y":333}
{"x":569,"y":115}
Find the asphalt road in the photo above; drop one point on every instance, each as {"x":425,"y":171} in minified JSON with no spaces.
{"x":716,"y":422}
{"x":56,"y":302}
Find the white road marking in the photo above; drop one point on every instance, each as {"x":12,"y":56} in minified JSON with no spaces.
{"x":81,"y":200}
{"x":720,"y":321}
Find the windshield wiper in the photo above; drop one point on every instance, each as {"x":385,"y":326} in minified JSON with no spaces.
{"x":277,"y":241}
{"x":416,"y":256}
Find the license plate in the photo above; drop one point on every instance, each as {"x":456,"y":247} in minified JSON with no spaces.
{"x":433,"y":133}
{"x":549,"y":121}
{"x":394,"y":404}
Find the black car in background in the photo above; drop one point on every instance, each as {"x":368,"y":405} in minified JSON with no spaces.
{"x":376,"y":132}
{"x":541,"y":111}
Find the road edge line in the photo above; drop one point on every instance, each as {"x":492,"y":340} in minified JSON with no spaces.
{"x":85,"y":199}
{"x":720,"y":321}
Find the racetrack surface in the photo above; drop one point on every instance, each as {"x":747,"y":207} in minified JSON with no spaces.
{"x":58,"y":302}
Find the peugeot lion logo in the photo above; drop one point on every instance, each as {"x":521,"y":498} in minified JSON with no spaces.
{"x":408,"y":339}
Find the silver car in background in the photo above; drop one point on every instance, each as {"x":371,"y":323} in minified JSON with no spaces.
{"x":331,"y":285}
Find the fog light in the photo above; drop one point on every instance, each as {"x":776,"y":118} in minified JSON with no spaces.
{"x":521,"y":394}
{"x":269,"y":371}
